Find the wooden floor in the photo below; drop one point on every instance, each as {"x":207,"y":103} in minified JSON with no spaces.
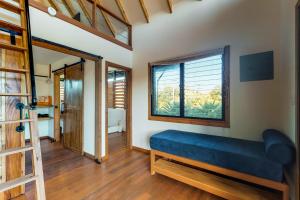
{"x":116,"y":142}
{"x":124,"y":176}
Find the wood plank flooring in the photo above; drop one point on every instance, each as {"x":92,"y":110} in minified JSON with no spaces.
{"x":116,"y":142}
{"x":125,"y":175}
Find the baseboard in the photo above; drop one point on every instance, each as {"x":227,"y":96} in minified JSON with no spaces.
{"x":105,"y":158}
{"x":43,"y":138}
{"x":90,"y":156}
{"x":146,"y":151}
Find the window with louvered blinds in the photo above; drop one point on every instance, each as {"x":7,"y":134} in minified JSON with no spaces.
{"x":119,"y":88}
{"x":194,"y":88}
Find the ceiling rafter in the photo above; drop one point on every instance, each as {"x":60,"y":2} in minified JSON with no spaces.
{"x":145,"y":11}
{"x":120,"y":4}
{"x":170,"y":5}
{"x":107,"y":20}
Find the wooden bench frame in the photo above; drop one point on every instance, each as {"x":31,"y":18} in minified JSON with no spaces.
{"x":283,"y":187}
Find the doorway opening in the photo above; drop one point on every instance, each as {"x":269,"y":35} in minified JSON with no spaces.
{"x":72,"y":94}
{"x":61,"y":119}
{"x":118,"y":108}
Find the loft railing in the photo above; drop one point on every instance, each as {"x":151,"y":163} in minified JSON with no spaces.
{"x":92,"y":17}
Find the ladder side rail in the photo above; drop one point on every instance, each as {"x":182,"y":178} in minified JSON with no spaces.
{"x":37,"y":157}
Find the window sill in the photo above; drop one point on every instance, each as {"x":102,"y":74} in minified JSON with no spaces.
{"x":214,"y":123}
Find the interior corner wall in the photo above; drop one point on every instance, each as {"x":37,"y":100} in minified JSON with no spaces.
{"x":248,"y":27}
{"x":288,"y":47}
{"x":56,"y":30}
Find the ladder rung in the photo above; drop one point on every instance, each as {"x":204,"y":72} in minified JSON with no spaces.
{"x":12,"y":47}
{"x":11,"y":151}
{"x":14,"y":95}
{"x":11,"y":26}
{"x":17,"y":182}
{"x":16,"y":121}
{"x":13,"y":70}
{"x":10,"y":7}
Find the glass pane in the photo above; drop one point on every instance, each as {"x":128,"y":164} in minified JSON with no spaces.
{"x":203,"y":88}
{"x":101,"y":24}
{"x":83,"y":14}
{"x":63,"y":8}
{"x":165,"y":99}
{"x":120,"y":29}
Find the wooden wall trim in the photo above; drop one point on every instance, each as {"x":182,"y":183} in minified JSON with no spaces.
{"x":74,"y":22}
{"x":146,"y":151}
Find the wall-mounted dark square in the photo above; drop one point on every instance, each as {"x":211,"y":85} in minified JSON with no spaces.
{"x":257,"y":67}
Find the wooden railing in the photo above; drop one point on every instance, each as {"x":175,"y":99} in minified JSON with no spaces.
{"x":90,"y":16}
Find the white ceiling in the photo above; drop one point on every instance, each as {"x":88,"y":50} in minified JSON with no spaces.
{"x":43,"y":56}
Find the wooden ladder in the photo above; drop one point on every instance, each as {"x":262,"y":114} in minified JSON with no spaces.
{"x":35,"y":147}
{"x":37,"y":172}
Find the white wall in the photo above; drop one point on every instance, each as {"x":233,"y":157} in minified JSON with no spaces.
{"x":44,"y":88}
{"x":53,"y":29}
{"x":248,"y":27}
{"x":89,"y":108}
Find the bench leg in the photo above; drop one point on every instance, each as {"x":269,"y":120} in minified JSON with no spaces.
{"x":152,"y":161}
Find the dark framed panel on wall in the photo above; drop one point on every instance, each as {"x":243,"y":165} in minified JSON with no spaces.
{"x":193,"y":89}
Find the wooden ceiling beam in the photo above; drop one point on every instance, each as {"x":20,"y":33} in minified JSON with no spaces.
{"x":145,"y":11}
{"x":170,"y":5}
{"x":120,"y":4}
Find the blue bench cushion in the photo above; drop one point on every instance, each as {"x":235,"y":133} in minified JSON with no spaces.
{"x":235,"y":154}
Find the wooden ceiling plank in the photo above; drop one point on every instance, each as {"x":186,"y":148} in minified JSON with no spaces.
{"x":120,"y":4}
{"x":170,"y":5}
{"x":145,"y":11}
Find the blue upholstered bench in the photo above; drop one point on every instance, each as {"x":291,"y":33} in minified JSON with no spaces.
{"x":258,"y":162}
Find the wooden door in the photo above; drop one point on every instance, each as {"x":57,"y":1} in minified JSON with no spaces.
{"x":73,"y":115}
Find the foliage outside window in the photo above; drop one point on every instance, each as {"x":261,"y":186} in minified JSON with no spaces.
{"x":193,"y":89}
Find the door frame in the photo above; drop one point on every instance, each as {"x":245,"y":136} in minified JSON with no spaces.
{"x":297,"y":55}
{"x":98,"y":85}
{"x":56,"y":93}
{"x":129,"y":106}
